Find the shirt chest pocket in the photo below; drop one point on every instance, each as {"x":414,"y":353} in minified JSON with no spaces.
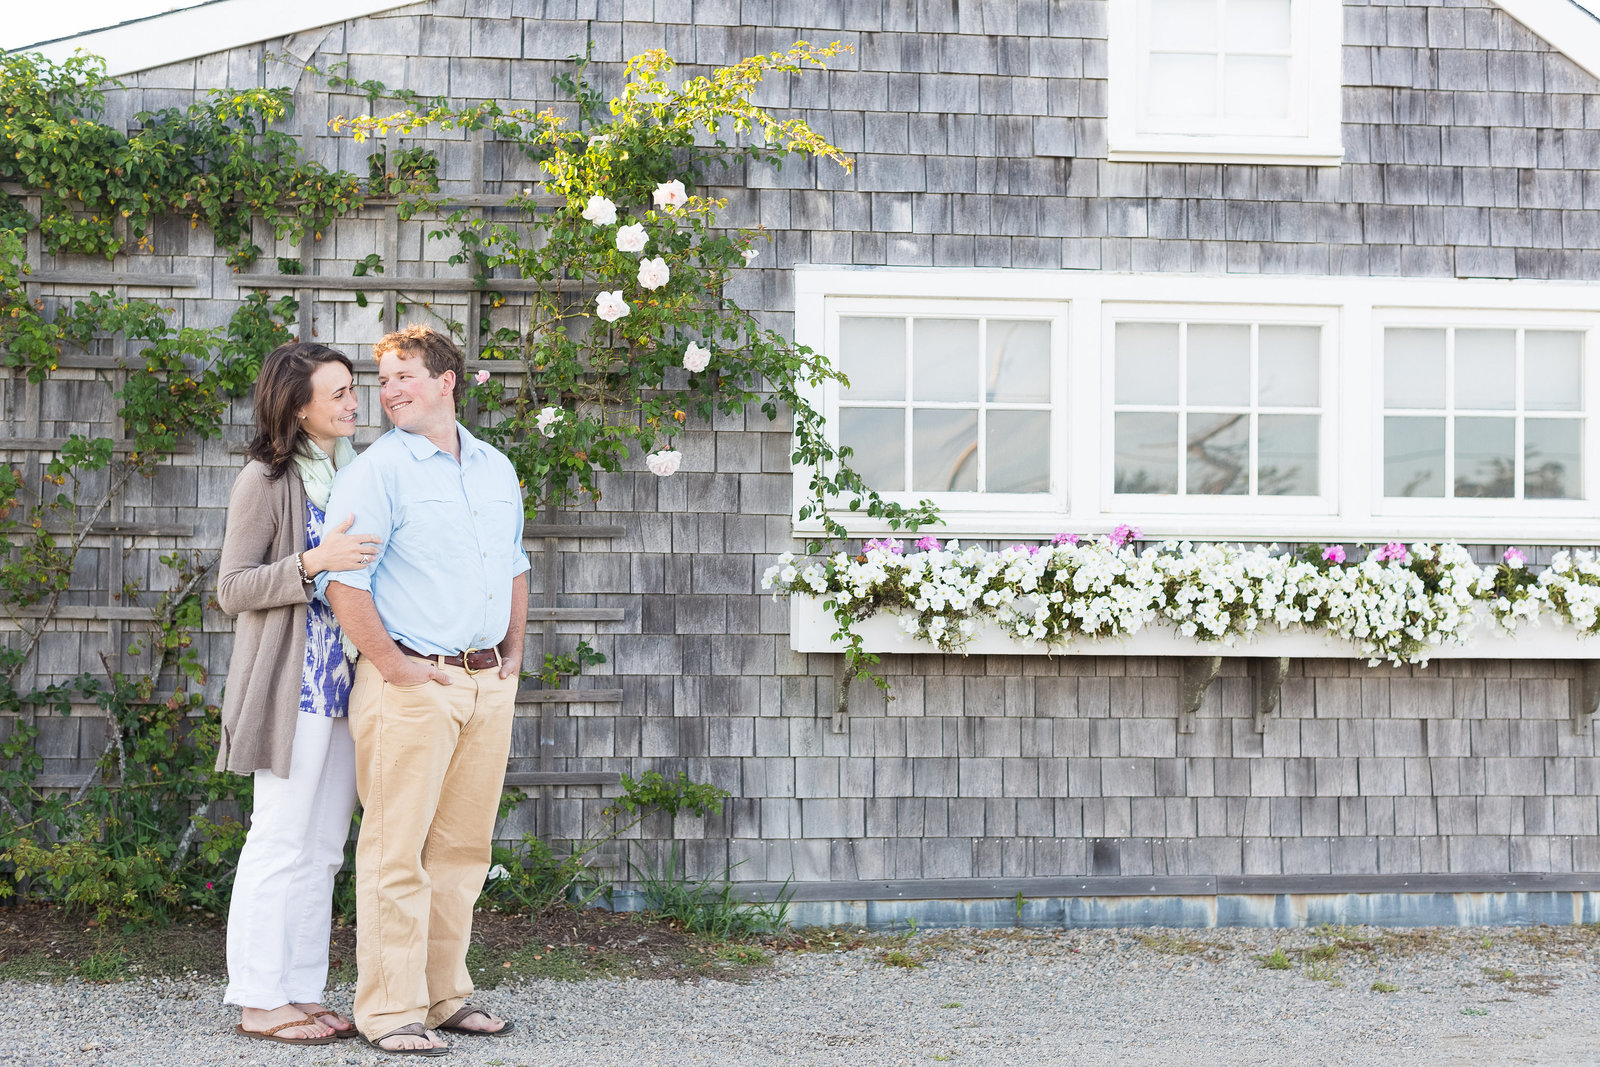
{"x":493,"y":519}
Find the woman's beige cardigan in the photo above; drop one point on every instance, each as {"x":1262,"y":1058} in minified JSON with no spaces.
{"x":258,"y":581}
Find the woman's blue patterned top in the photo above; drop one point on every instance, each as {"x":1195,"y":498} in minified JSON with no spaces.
{"x":325,"y":682}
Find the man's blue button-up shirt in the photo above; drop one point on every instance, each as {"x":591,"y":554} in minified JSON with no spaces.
{"x":452,"y":539}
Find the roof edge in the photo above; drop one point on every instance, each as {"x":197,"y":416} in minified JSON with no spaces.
{"x":207,"y":29}
{"x":1563,"y":25}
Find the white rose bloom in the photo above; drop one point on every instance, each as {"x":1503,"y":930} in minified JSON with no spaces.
{"x":546,"y":419}
{"x":653,"y":273}
{"x":497,"y":872}
{"x":600,"y":211}
{"x":632,"y":238}
{"x":695,"y":358}
{"x":670,"y":194}
{"x":610,"y":306}
{"x":664,"y":463}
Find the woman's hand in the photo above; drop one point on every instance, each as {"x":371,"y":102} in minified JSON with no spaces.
{"x":342,"y":551}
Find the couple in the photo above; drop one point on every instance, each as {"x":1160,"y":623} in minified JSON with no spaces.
{"x":431,"y":591}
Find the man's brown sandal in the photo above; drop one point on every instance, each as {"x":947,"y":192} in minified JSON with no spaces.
{"x":408,"y":1030}
{"x":451,"y":1025}
{"x":271,"y":1033}
{"x":347,"y":1032}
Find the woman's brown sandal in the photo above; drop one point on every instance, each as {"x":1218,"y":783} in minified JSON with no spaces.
{"x":347,"y":1032}
{"x":271,"y":1033}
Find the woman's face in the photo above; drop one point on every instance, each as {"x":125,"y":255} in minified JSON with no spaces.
{"x":331,"y":411}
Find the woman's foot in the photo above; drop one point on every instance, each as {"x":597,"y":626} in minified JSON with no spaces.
{"x":327,"y":1017}
{"x":262,"y":1019}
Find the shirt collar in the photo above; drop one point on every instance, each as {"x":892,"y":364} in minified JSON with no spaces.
{"x":421,"y":448}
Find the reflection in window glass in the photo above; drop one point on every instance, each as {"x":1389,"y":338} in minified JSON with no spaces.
{"x":1553,"y":459}
{"x":1218,"y":454}
{"x":1290,"y":361}
{"x":878,"y":436}
{"x":1286,"y":455}
{"x":1018,"y":451}
{"x":1219,"y":365}
{"x":1486,"y":457}
{"x":1413,"y":457}
{"x":1146,"y":452}
{"x":1018,"y":367}
{"x":1147,"y":363}
{"x":944,"y":451}
{"x":872,"y":354}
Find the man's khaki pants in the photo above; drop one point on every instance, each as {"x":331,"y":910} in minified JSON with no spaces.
{"x":430,"y":764}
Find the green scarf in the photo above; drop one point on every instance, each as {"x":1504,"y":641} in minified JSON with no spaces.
{"x":317,"y":470}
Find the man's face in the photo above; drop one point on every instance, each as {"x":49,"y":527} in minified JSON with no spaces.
{"x":413,"y":399}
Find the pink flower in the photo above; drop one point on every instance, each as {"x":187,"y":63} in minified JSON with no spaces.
{"x":632,"y":238}
{"x":1333,"y":554}
{"x":482,"y":377}
{"x":929,"y":543}
{"x":1125,"y":533}
{"x":600,"y":211}
{"x":1064,"y":539}
{"x":664,"y":464}
{"x":609,"y":305}
{"x":1515,"y":558}
{"x":695,"y":357}
{"x":653,"y":273}
{"x":1393,"y":550}
{"x":749,"y":254}
{"x":887,"y":544}
{"x":546,"y":419}
{"x":209,"y":885}
{"x":670,"y":194}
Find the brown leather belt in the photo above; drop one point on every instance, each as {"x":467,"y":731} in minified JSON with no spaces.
{"x":472,"y":660}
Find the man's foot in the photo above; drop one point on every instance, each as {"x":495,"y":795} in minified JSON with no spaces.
{"x":327,"y":1017}
{"x":260,"y":1020}
{"x":470,"y":1020}
{"x":412,"y":1038}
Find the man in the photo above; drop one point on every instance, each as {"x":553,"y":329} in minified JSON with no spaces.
{"x":438,"y":617}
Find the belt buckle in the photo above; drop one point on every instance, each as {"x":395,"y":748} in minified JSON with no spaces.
{"x":466,"y":661}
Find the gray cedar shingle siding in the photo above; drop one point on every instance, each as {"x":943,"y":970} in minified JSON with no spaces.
{"x":979,"y":133}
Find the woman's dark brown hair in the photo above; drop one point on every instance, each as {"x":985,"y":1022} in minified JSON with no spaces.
{"x":282,"y":388}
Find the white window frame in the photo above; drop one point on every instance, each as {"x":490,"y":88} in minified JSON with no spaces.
{"x":1351,"y":508}
{"x":1585,"y":508}
{"x":1314,"y":136}
{"x":1052,"y":501}
{"x":1326,"y":319}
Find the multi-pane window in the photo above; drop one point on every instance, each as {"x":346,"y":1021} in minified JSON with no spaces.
{"x":945,"y":404}
{"x":1481,"y":412}
{"x":1219,"y":65}
{"x":1216,"y":409}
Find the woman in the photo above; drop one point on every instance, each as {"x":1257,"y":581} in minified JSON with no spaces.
{"x":283,"y":712}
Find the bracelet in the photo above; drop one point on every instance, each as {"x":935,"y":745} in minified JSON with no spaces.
{"x":300,"y":565}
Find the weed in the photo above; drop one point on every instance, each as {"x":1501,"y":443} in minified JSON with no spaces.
{"x":1172,"y":944}
{"x":1318,"y":953}
{"x":896,"y":958}
{"x":1474,"y":1011}
{"x":705,"y":908}
{"x":1278,"y":961}
{"x":744,"y":955}
{"x":1324,"y":971}
{"x":1384,"y":987}
{"x":1487,"y":942}
{"x":952,"y":1004}
{"x":104,"y":967}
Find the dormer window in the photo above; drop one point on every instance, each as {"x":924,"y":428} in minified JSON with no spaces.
{"x":1225,"y":81}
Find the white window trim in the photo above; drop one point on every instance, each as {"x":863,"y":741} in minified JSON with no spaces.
{"x":1319,"y":30}
{"x":1357,"y":307}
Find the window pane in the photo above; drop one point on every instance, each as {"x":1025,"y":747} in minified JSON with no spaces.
{"x":1486,"y":369}
{"x":1147,"y":363}
{"x":1257,"y":26}
{"x":1256,"y":87}
{"x":1146,"y":452}
{"x":1017,"y":452}
{"x":1286,"y":455}
{"x":1552,"y":362}
{"x":1182,"y":86}
{"x":878,"y":436}
{"x":944,"y":451}
{"x":944,"y":359}
{"x":872,"y":354}
{"x":1018,"y":371}
{"x":1413,"y":457}
{"x":1219,"y":454}
{"x":1185,"y":24}
{"x":1413,"y":369}
{"x":1552,"y":454}
{"x":1219,"y":365}
{"x":1288,"y":365}
{"x":1485,"y":457}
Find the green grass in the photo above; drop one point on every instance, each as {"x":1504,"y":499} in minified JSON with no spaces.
{"x":897,"y":958}
{"x":1172,"y":944}
{"x":1384,"y":987}
{"x":1278,"y":961}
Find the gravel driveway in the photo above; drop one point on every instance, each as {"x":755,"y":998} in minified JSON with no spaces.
{"x":1495,"y":996}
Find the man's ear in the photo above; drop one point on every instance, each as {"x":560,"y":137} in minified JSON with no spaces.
{"x":449,"y":378}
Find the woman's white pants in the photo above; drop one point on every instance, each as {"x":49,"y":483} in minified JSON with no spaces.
{"x":282,"y":908}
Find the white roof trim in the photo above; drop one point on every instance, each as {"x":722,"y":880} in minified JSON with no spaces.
{"x":1563,"y":25}
{"x":203,"y":30}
